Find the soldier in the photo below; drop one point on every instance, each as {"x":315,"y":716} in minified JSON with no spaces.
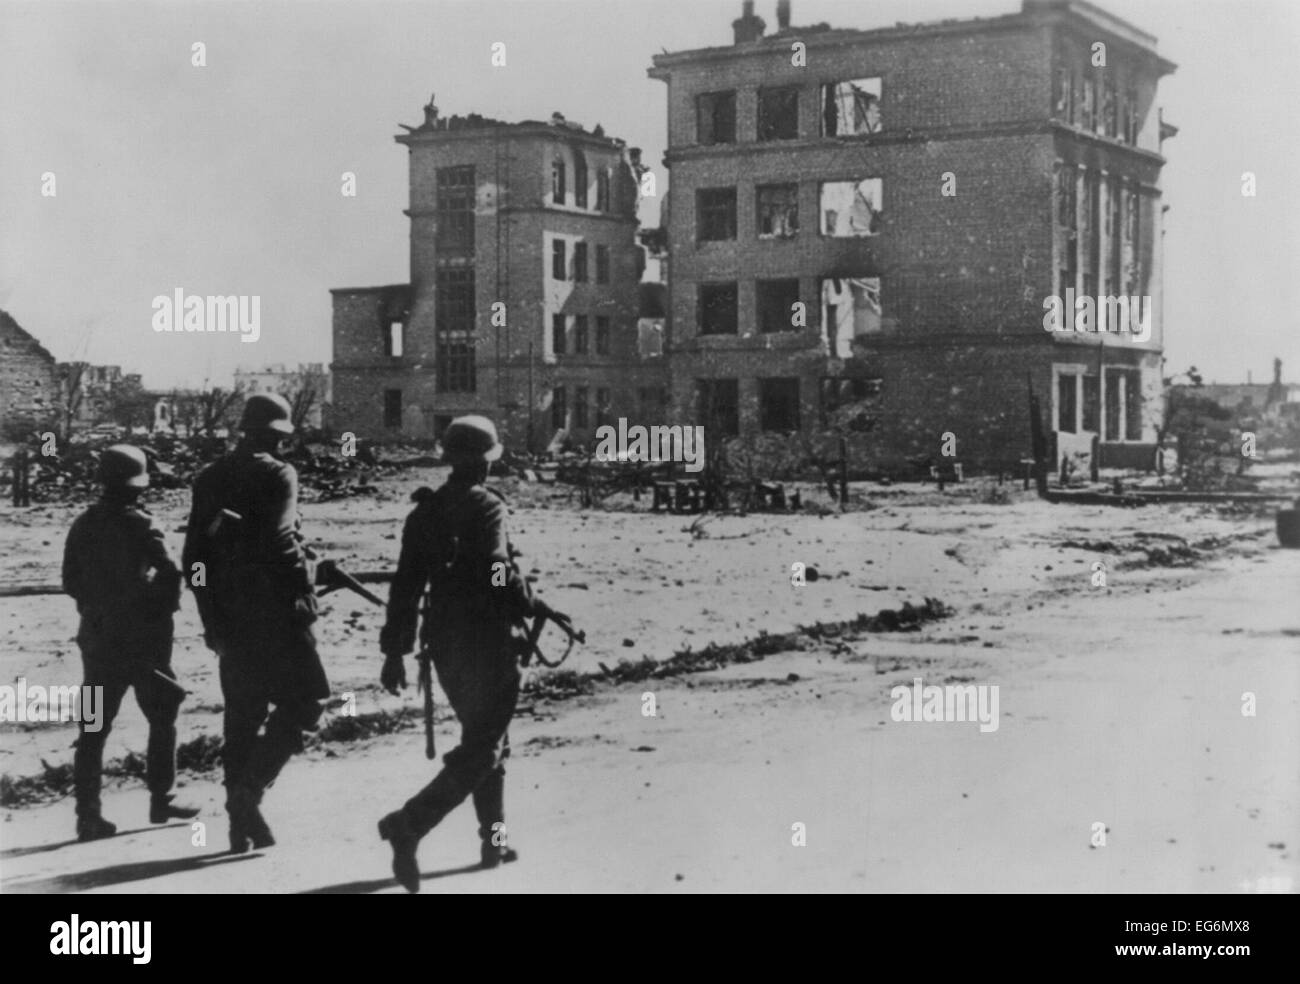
{"x":116,"y":567}
{"x":256,"y":597}
{"x":454,"y":543}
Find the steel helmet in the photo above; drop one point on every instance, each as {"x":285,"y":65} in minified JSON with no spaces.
{"x":267,"y":411}
{"x":124,"y":466}
{"x":471,"y":438}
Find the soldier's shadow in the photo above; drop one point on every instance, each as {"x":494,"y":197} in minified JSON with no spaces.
{"x":117,"y":874}
{"x":21,"y":852}
{"x":374,"y":885}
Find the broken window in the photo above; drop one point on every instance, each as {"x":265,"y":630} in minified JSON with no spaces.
{"x":715,"y":118}
{"x":778,"y":210}
{"x":392,"y":408}
{"x":851,"y":108}
{"x":580,"y":263}
{"x":579,"y":179}
{"x":848,"y":401}
{"x":557,"y":181}
{"x":580,"y":407}
{"x":851,"y":208}
{"x":602,"y":264}
{"x":1123,"y":405}
{"x":392,"y":340}
{"x":778,"y":404}
{"x":715,"y":210}
{"x":652,"y":402}
{"x":559,"y":410}
{"x":1067,"y":404}
{"x":778,"y":113}
{"x":719,"y":406}
{"x":776,"y":301}
{"x":850,"y":308}
{"x":717,"y":312}
{"x":1131,"y":120}
{"x":1109,"y":109}
{"x":559,"y":269}
{"x":602,"y":335}
{"x":580,"y":334}
{"x":602,"y":407}
{"x":602,"y":190}
{"x":1064,"y":92}
{"x":1092,"y":404}
{"x":454,"y":327}
{"x":1067,"y":211}
{"x":557,"y":334}
{"x":455,"y":207}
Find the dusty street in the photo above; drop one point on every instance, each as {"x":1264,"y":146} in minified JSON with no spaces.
{"x":1120,"y":705}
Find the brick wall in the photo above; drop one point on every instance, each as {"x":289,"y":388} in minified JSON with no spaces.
{"x":29,"y":381}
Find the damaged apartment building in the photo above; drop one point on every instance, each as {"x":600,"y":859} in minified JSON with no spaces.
{"x":874,"y":219}
{"x":523,"y":300}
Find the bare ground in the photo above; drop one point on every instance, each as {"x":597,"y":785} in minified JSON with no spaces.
{"x":1119,"y":704}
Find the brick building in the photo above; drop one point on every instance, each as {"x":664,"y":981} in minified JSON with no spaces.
{"x":877,"y":217}
{"x":30,"y":381}
{"x":522,"y":302}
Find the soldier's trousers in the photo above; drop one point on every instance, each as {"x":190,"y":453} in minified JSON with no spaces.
{"x":282,"y":675}
{"x":477,"y":668}
{"x":119,"y":660}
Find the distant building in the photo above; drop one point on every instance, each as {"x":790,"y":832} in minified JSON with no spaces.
{"x":309,"y":383}
{"x":30,"y":388}
{"x":522,"y":302}
{"x":878,"y":218}
{"x":1275,"y":399}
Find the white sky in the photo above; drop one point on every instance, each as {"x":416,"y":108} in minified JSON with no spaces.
{"x":225,"y":179}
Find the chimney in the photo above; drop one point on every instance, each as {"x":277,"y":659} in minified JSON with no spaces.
{"x":782,"y":14}
{"x":748,"y":27}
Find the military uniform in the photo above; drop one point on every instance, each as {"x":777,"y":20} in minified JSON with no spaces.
{"x":257,"y":603}
{"x":116,"y":568}
{"x":456,"y":545}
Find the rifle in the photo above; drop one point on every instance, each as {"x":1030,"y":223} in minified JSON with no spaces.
{"x":535,"y":633}
{"x":331,"y":577}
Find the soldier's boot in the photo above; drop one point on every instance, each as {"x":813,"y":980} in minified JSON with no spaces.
{"x":247,"y":825}
{"x":489,"y":807}
{"x":92,"y":827}
{"x":162,"y":809}
{"x":401,"y":836}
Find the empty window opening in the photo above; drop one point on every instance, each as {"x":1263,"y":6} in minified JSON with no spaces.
{"x":778,"y":210}
{"x":719,"y":406}
{"x":778,"y":405}
{"x":558,"y":263}
{"x":716,"y":213}
{"x":392,"y":408}
{"x":851,"y":307}
{"x":778,"y":114}
{"x":717,"y":312}
{"x":851,"y":208}
{"x":851,"y":108}
{"x":558,"y":181}
{"x":776,"y":301}
{"x":715,"y":118}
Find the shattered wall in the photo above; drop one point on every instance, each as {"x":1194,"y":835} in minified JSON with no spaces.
{"x":29,"y":379}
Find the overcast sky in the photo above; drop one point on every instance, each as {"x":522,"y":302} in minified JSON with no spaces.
{"x":226,"y":179}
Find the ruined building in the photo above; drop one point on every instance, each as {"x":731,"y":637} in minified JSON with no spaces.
{"x":522,"y":302}
{"x":877,"y":217}
{"x":30,"y":382}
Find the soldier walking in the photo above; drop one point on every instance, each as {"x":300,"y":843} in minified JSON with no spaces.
{"x":116,"y":567}
{"x":257,"y":600}
{"x":455,"y":545}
